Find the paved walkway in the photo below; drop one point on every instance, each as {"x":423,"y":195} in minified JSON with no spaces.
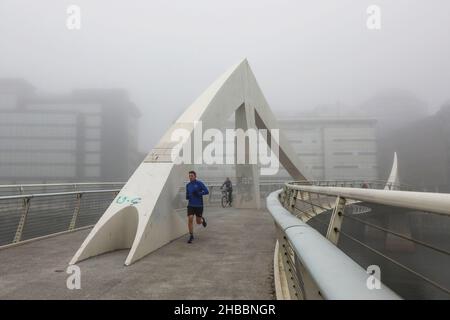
{"x":231,"y":259}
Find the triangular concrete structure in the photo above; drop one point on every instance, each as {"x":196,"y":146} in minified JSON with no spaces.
{"x":143,"y":217}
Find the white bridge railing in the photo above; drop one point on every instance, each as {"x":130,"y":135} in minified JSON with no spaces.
{"x":31,"y":216}
{"x":311,"y":265}
{"x":35,"y":211}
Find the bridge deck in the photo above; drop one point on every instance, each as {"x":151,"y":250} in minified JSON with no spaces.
{"x":230,"y":259}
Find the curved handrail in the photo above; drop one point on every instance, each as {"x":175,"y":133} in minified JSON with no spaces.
{"x":336,"y":275}
{"x":423,"y":201}
{"x":295,"y":195}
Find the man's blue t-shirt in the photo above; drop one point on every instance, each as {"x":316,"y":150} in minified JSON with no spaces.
{"x":195,"y":190}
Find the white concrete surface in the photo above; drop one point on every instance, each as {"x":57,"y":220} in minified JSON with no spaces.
{"x":152,"y":221}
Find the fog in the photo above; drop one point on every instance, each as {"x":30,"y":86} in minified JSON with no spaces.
{"x":308,"y":56}
{"x":88,"y":104}
{"x":165,"y":53}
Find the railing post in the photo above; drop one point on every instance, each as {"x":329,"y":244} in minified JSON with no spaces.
{"x":301,"y":292}
{"x":23,"y":218}
{"x":304,"y":195}
{"x":336,"y":220}
{"x":318,"y":200}
{"x":75,"y":212}
{"x":329,"y":202}
{"x":285,"y":195}
{"x":311,"y":200}
{"x":301,"y":195}
{"x":286,"y":258}
{"x":293,"y":199}
{"x":210,"y":194}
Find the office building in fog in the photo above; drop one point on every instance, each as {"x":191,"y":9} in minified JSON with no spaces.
{"x":334,"y":148}
{"x":331,"y":147}
{"x":86,"y":135}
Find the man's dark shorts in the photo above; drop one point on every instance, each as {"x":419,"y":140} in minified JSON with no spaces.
{"x":198,"y":211}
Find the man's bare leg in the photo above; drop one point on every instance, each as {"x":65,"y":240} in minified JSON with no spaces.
{"x":191,"y":223}
{"x":191,"y":228}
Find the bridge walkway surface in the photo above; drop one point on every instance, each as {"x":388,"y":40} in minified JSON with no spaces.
{"x":230,"y":259}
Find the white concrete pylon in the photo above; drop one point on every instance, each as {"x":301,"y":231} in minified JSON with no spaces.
{"x":142,"y":216}
{"x":393,"y":180}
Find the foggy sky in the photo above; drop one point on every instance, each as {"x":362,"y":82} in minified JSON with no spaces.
{"x":165,"y":53}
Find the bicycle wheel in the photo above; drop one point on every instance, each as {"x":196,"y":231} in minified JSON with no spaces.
{"x":224,"y":201}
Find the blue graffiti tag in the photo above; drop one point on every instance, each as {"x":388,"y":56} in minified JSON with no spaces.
{"x":128,"y":200}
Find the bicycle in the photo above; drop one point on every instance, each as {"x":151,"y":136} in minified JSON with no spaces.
{"x":225,"y":199}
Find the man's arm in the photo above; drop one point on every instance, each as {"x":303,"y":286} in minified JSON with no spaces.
{"x":187,"y":196}
{"x":204,"y":189}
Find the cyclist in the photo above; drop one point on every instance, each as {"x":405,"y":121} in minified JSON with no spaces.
{"x":228,"y":187}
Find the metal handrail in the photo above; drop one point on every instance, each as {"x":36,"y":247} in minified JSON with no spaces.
{"x":45,"y":185}
{"x":433,"y":203}
{"x":54,"y":194}
{"x":16,"y":210}
{"x":335,"y":275}
{"x":422,"y":201}
{"x":354,"y":182}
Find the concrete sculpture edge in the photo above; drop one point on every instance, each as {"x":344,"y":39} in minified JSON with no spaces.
{"x":142,"y":217}
{"x":393,"y":181}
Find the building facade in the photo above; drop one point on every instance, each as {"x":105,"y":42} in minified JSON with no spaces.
{"x":334,"y":148}
{"x":87,"y":135}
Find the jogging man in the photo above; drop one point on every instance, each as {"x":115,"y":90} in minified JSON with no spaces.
{"x":195,"y":190}
{"x":228,"y":187}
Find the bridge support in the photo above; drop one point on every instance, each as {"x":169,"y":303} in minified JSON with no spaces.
{"x":336,"y":220}
{"x":247,"y":177}
{"x":143,"y":216}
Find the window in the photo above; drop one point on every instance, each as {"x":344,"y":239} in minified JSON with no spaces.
{"x":93,"y":121}
{"x":92,"y":171}
{"x":92,"y":158}
{"x":92,"y":146}
{"x":366,"y":153}
{"x":342,"y":153}
{"x":353,"y":139}
{"x":346,"y":167}
{"x":92,"y":133}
